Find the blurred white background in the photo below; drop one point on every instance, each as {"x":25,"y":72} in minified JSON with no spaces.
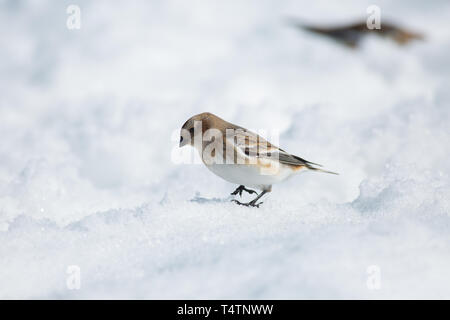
{"x":86,"y":176}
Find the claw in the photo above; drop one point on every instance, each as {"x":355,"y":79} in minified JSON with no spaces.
{"x":237,"y":191}
{"x":249,"y":204}
{"x":242,"y":188}
{"x":252,"y":203}
{"x":239,"y":203}
{"x":257,"y":204}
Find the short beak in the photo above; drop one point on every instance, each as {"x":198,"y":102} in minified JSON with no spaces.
{"x":181,"y":141}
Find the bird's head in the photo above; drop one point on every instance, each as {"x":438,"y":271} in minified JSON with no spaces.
{"x":194,"y":125}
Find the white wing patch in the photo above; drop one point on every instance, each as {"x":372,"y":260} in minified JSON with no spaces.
{"x":252,"y":149}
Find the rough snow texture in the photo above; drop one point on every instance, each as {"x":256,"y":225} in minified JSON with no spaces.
{"x":87,"y":120}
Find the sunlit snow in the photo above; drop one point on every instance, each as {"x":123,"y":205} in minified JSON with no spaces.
{"x":89,"y":121}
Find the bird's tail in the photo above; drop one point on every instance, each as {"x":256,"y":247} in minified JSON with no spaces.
{"x":322,"y":170}
{"x":310,"y":166}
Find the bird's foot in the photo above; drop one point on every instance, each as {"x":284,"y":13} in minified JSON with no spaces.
{"x":242,"y":188}
{"x":248,"y":204}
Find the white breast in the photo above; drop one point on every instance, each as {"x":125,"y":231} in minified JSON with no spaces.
{"x":250,"y":175}
{"x":261,"y":174}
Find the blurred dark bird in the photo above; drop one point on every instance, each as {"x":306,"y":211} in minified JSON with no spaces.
{"x":351,"y":35}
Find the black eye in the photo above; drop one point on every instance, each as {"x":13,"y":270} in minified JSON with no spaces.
{"x":191,"y":131}
{"x":181,"y":139}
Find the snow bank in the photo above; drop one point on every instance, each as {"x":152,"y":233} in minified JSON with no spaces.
{"x":86,"y":172}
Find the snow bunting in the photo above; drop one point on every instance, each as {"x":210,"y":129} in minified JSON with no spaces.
{"x":240,"y":156}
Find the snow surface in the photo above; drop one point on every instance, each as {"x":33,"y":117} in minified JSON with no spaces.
{"x":89,"y":121}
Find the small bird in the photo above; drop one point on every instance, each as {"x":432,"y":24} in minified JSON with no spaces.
{"x":240,"y":156}
{"x":351,"y":34}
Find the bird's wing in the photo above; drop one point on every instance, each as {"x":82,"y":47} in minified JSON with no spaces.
{"x":249,"y":145}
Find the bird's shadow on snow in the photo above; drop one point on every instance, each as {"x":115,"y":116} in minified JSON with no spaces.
{"x":199,"y":199}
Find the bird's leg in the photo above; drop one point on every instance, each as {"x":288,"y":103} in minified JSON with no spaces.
{"x":253,"y":202}
{"x":242,"y":188}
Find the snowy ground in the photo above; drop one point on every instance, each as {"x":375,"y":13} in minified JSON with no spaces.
{"x":87,"y":176}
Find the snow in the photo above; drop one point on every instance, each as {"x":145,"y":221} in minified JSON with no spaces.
{"x":89,"y":121}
